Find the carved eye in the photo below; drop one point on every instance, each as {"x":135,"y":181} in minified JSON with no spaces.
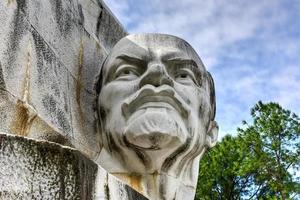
{"x":126,"y":72}
{"x":185,"y":76}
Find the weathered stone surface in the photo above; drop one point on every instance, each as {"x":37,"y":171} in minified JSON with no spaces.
{"x":42,"y":170}
{"x":49,"y":56}
{"x":31,"y":169}
{"x":110,"y":188}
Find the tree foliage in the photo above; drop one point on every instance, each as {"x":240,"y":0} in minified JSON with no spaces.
{"x":262,"y":162}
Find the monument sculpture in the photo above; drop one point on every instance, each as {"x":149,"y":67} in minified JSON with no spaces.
{"x":137,"y":133}
{"x":156,"y":110}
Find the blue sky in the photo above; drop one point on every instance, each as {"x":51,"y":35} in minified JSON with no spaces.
{"x":252,"y":48}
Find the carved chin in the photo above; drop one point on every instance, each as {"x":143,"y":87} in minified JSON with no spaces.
{"x":154,"y":129}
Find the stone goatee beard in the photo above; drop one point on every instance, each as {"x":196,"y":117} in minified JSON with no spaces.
{"x":185,"y":133}
{"x":155,"y":129}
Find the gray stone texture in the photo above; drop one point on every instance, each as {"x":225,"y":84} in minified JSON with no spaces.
{"x":37,"y":169}
{"x":49,"y":56}
{"x":31,"y":169}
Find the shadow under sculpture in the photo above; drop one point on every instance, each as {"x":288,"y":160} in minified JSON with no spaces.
{"x":156,"y":109}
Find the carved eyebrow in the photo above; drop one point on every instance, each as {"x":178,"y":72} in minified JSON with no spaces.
{"x":192,"y":65}
{"x":131,"y":58}
{"x":178,"y":60}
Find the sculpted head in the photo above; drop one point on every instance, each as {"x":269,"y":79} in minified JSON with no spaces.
{"x":156,"y":105}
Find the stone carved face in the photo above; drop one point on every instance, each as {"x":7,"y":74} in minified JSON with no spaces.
{"x":156,"y":104}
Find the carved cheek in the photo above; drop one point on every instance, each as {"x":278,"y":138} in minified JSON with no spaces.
{"x":191,"y":95}
{"x":199,"y":99}
{"x":114,"y":93}
{"x":204,"y":108}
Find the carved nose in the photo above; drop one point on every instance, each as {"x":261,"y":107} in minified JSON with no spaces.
{"x":156,"y":75}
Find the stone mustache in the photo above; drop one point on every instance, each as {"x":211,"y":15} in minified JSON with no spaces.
{"x":156,"y":110}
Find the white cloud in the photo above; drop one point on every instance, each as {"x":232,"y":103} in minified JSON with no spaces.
{"x":207,"y":25}
{"x":286,"y":82}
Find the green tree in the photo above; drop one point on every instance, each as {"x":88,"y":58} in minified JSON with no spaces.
{"x":274,"y":143}
{"x":220,"y":176}
{"x":262,"y":162}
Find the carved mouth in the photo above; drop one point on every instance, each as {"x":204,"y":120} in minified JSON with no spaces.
{"x":151,"y":97}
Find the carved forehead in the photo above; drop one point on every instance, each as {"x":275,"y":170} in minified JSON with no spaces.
{"x":142,"y":45}
{"x":158,"y":41}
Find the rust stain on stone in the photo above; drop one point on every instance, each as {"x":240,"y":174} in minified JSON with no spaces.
{"x":22,"y":120}
{"x":24,"y":113}
{"x":155,"y":175}
{"x":135,"y":182}
{"x":78,"y":83}
{"x":133,"y":179}
{"x":9,"y":2}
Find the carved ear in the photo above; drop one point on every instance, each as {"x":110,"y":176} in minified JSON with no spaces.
{"x":212,"y":134}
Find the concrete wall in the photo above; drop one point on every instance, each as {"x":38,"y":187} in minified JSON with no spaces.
{"x":50,"y":52}
{"x":35,"y":169}
{"x":42,"y":170}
